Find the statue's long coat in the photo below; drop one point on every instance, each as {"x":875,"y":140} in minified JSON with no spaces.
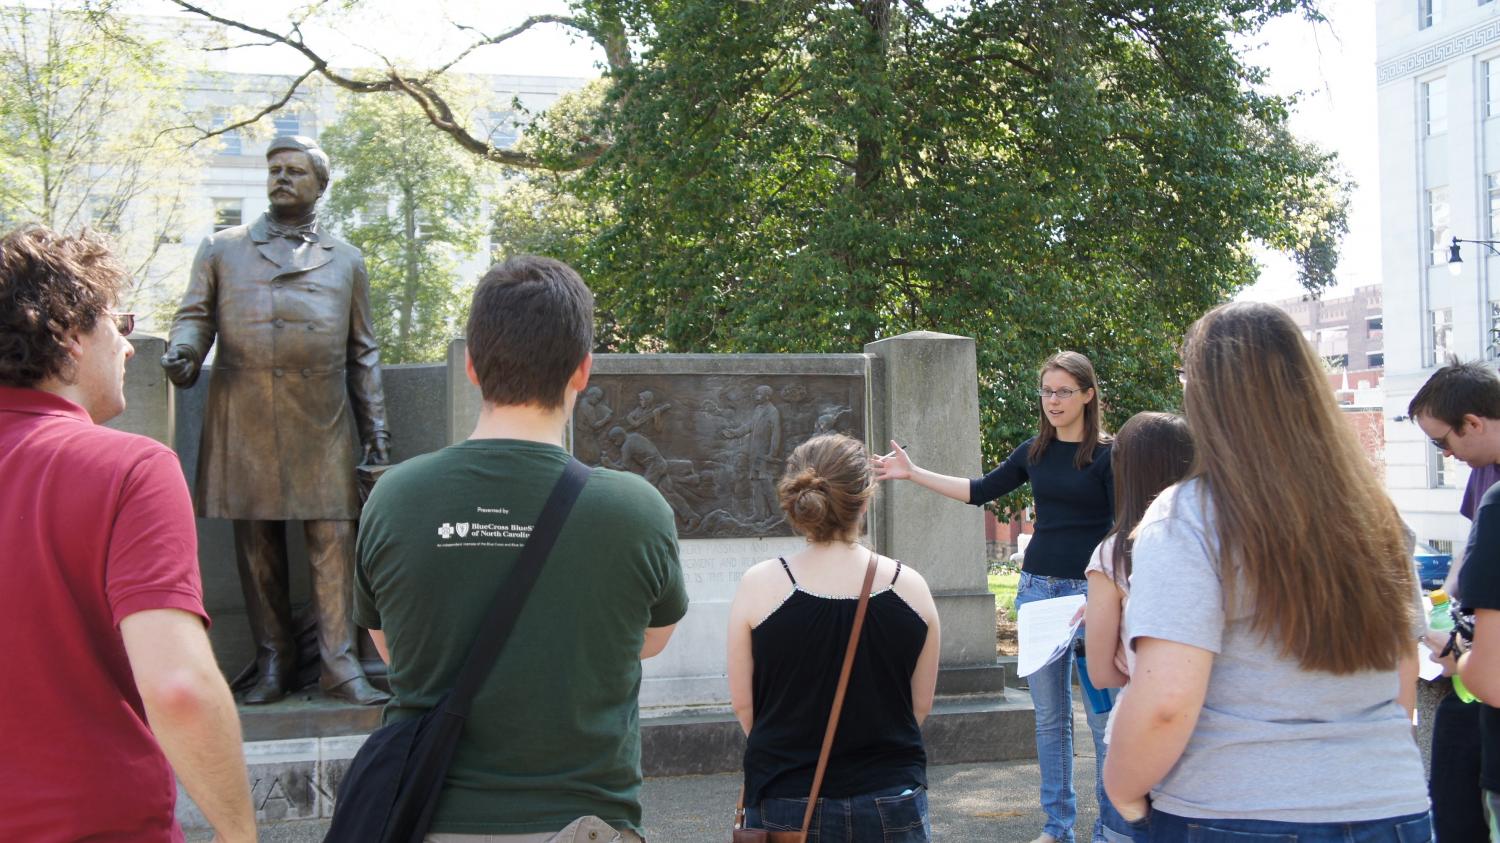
{"x":297,"y":369}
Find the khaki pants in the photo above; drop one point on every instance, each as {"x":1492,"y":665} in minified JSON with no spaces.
{"x":581,"y":830}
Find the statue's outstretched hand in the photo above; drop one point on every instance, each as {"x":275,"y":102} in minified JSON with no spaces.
{"x":893,"y":466}
{"x":182,"y":365}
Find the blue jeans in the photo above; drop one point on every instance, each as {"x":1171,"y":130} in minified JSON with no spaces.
{"x":1052,"y":696}
{"x":885,"y":816}
{"x":1158,"y":827}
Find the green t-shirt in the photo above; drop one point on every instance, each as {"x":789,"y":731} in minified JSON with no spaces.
{"x":555,"y":731}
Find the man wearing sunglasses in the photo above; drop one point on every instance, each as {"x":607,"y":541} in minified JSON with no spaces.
{"x":110,"y":685}
{"x":1458,"y":409}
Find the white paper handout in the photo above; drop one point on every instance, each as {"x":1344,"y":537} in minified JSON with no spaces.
{"x":1427,"y":668}
{"x":1044,"y":629}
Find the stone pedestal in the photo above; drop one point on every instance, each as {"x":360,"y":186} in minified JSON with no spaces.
{"x":149,"y":399}
{"x":928,"y":398}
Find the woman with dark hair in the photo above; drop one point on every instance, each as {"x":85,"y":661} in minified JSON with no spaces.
{"x":788,"y":629}
{"x":1067,"y":464}
{"x":1273,"y":614}
{"x":1151,"y":452}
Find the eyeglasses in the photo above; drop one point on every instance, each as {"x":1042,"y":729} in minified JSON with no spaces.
{"x":1442,"y":443}
{"x":1063,"y":393}
{"x":124,"y":323}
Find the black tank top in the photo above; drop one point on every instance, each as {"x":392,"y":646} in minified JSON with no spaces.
{"x":798,"y":650}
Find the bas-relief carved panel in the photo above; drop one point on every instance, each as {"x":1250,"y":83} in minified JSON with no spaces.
{"x":713,"y":445}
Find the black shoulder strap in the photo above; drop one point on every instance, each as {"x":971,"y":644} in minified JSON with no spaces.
{"x":506,"y":610}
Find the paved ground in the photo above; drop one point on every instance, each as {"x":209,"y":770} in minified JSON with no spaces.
{"x":968,"y":802}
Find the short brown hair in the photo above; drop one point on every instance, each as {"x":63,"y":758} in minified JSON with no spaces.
{"x":825,"y":486}
{"x":531,"y":323}
{"x":51,"y":285}
{"x":1457,"y":390}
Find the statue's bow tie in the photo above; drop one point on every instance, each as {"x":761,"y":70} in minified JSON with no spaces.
{"x":307,"y":232}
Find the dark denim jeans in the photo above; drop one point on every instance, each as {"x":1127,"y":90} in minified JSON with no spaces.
{"x":1159,"y":827}
{"x":886,"y":816}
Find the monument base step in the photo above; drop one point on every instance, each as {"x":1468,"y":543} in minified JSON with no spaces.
{"x":298,"y":749}
{"x":967,"y":729}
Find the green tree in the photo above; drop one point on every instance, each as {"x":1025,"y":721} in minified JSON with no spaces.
{"x":85,"y":105}
{"x":810,"y":175}
{"x":813,"y":175}
{"x":410,"y":200}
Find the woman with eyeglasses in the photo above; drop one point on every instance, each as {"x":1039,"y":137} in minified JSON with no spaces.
{"x":1067,"y":464}
{"x":1273,"y":615}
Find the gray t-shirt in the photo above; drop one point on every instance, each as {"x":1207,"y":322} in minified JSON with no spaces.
{"x":1274,"y":741}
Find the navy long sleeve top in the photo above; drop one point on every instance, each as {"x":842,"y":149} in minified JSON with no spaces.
{"x":1075,"y":507}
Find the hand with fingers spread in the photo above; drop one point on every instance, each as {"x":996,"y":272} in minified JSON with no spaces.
{"x":893,"y":466}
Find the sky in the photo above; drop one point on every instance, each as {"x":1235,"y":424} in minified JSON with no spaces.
{"x":1330,"y":66}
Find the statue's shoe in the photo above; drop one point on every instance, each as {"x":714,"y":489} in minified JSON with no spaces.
{"x":270,"y":688}
{"x":357,"y":691}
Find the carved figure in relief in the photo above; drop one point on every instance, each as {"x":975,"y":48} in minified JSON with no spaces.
{"x":592,"y":417}
{"x":640,"y":455}
{"x":763,"y":430}
{"x":646,"y":411}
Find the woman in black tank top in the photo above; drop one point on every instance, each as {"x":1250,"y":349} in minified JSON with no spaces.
{"x":788,"y":628}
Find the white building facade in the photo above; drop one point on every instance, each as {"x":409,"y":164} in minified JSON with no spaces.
{"x":1438,"y":89}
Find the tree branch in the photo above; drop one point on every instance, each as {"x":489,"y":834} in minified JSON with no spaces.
{"x":489,"y":40}
{"x":421,"y":91}
{"x":205,"y":134}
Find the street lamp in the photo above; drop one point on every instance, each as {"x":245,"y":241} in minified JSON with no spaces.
{"x":1456,"y":262}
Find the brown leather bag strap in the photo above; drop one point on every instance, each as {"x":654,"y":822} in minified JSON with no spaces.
{"x":838,"y":695}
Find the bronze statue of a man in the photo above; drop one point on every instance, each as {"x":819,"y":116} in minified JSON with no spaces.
{"x":296,"y":377}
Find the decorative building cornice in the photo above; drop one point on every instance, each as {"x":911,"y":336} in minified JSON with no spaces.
{"x":1438,"y":53}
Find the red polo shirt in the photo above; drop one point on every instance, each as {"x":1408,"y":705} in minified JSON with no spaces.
{"x":95,"y":525}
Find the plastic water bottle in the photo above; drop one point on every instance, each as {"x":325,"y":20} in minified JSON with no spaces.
{"x":1441,"y":619}
{"x":1101,"y":700}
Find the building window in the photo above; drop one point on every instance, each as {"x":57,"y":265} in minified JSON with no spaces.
{"x":1494,"y":337}
{"x":227,"y":213}
{"x":1374,"y":326}
{"x":1375,"y":360}
{"x":1438,"y":232}
{"x":504,"y":128}
{"x":230,"y":142}
{"x":1444,"y":470}
{"x":1441,"y":323}
{"x":291,"y":124}
{"x":375,"y":209}
{"x":1429,"y":13}
{"x":1435,"y":106}
{"x":1492,"y":88}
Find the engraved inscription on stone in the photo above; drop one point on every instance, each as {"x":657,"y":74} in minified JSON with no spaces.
{"x":713,"y":445}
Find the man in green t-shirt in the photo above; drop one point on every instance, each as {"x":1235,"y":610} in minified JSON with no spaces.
{"x":552,"y":750}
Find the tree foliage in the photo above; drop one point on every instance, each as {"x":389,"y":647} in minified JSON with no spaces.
{"x":83,"y":103}
{"x":813,"y":175}
{"x":411,"y":201}
{"x":810,"y":175}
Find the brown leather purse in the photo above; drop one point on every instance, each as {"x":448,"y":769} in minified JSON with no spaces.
{"x":760,"y":835}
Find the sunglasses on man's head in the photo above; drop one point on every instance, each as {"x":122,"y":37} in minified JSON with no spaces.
{"x":124,"y":323}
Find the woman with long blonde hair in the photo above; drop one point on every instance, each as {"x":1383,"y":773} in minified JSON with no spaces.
{"x":1273,"y":613}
